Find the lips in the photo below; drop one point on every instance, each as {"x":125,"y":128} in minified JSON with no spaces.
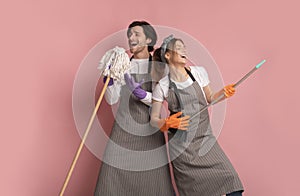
{"x":183,"y":56}
{"x":133,"y":44}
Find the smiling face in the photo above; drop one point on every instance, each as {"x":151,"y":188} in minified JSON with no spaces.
{"x":177,"y":54}
{"x":137,"y":40}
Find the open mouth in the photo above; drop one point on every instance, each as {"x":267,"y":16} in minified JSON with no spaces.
{"x":133,"y":44}
{"x":183,"y":56}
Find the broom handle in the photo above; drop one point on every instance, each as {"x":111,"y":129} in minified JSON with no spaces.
{"x":84,"y":137}
{"x":235,"y":85}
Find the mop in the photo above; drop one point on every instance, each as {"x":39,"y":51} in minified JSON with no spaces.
{"x":113,"y":65}
{"x":235,"y":85}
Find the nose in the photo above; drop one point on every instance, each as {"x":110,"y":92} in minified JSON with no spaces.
{"x":131,"y":37}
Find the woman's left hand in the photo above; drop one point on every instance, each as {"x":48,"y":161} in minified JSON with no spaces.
{"x":229,"y":90}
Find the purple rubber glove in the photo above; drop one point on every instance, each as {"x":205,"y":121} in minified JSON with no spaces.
{"x":135,"y":87}
{"x":111,"y":81}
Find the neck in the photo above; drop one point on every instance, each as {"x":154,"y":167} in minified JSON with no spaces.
{"x":178,"y":73}
{"x":141,"y":55}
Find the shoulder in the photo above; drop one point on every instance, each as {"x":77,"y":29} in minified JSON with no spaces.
{"x":161,"y":89}
{"x":164,"y":85}
{"x":200,"y":75}
{"x":198,"y":69}
{"x":164,"y":82}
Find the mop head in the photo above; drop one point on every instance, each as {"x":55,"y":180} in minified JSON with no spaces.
{"x":115,"y":63}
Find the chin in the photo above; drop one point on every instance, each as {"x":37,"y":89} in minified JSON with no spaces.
{"x":133,"y":50}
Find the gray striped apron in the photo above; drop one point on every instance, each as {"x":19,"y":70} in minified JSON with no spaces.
{"x":200,"y":166}
{"x":132,"y":131}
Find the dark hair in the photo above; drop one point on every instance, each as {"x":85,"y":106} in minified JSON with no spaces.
{"x":159,"y":54}
{"x":171,"y":44}
{"x":158,"y":67}
{"x":148,"y":30}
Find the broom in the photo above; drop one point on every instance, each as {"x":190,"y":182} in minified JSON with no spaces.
{"x":235,"y":85}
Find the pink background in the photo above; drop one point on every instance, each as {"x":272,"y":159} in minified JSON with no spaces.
{"x":43,"y":42}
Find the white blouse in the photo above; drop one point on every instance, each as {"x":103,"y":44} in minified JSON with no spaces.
{"x":162,"y":88}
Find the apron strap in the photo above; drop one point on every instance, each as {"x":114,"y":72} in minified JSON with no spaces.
{"x":190,"y":74}
{"x":150,"y":63}
{"x":173,"y":85}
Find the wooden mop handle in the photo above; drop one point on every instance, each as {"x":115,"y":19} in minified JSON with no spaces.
{"x":84,"y":137}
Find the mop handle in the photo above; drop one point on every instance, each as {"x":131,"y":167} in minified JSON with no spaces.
{"x":66,"y":182}
{"x":235,"y":85}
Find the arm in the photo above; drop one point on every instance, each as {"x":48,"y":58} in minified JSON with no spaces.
{"x":156,"y":121}
{"x":227,"y":91}
{"x":148,"y":99}
{"x":210,"y":95}
{"x":112,"y":95}
{"x":172,"y":121}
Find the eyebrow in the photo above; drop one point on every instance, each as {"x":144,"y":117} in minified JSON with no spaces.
{"x":180,"y":46}
{"x":135,"y":31}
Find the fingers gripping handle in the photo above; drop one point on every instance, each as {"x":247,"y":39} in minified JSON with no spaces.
{"x":235,"y":85}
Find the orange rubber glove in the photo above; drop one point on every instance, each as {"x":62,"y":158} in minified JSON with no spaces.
{"x":229,"y":90}
{"x":174,"y":122}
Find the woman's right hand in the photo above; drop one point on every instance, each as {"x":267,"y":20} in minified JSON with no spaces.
{"x":173,"y":121}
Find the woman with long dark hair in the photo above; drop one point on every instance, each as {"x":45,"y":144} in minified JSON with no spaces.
{"x":201,"y":167}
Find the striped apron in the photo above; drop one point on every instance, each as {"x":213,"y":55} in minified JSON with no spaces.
{"x":200,"y":166}
{"x":123,"y":172}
